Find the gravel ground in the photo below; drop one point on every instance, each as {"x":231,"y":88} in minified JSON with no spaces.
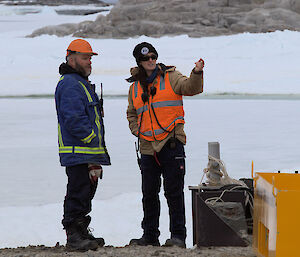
{"x":129,"y":251}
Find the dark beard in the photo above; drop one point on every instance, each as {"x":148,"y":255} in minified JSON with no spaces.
{"x":81,"y":70}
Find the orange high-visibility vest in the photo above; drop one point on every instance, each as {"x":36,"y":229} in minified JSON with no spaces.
{"x":167,"y":106}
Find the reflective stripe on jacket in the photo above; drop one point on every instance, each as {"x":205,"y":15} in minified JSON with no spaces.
{"x":157,"y":117}
{"x":80,"y":125}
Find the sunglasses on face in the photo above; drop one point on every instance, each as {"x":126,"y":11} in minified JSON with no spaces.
{"x":147,"y":57}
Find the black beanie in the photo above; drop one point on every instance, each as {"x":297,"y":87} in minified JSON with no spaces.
{"x":143,"y":49}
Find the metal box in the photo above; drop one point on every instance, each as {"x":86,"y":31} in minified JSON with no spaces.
{"x":209,"y":226}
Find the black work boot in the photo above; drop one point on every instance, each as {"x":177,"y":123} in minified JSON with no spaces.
{"x":175,"y":242}
{"x":86,"y":233}
{"x":76,"y":242}
{"x":144,"y":242}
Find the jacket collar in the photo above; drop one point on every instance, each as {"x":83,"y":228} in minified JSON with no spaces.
{"x":65,"y":68}
{"x":134,"y":71}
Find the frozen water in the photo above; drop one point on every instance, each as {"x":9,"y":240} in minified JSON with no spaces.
{"x":249,"y":127}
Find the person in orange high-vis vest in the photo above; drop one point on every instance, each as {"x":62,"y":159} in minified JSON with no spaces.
{"x":156,"y":116}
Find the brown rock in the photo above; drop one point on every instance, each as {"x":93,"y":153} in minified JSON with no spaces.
{"x":197,"y":18}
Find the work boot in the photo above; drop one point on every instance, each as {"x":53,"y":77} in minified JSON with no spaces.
{"x":76,"y":242}
{"x":175,"y":242}
{"x":86,"y":232}
{"x":144,"y":242}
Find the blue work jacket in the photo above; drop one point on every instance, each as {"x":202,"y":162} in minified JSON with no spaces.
{"x":80,"y":124}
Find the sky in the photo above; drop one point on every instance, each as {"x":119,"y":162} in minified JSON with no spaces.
{"x":250,"y":105}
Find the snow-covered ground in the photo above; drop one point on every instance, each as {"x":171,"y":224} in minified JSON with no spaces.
{"x":32,"y":183}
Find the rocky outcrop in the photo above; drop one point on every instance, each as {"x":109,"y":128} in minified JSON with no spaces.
{"x":196,"y":18}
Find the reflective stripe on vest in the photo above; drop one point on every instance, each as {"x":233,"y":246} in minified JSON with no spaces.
{"x":160,"y":131}
{"x":142,"y":109}
{"x":167,"y":103}
{"x":135,"y":89}
{"x":162,"y":83}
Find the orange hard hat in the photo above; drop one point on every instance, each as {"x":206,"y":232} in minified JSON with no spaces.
{"x":80,"y":46}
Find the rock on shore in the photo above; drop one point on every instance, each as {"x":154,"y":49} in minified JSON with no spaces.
{"x":196,"y":18}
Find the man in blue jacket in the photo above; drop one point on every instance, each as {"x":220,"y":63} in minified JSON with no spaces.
{"x":82,"y":148}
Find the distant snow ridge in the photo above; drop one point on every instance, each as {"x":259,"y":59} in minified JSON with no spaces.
{"x":197,"y":18}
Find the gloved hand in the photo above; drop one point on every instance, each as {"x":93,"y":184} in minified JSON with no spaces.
{"x":199,"y":65}
{"x":95,"y":172}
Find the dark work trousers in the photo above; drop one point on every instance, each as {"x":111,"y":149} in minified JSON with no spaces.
{"x":169,"y":163}
{"x":80,"y":192}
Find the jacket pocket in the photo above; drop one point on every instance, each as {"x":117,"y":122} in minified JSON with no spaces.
{"x":179,"y":163}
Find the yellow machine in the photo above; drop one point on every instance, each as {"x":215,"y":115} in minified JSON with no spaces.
{"x":276,"y":218}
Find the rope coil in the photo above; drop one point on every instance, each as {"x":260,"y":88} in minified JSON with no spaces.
{"x":217,"y":174}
